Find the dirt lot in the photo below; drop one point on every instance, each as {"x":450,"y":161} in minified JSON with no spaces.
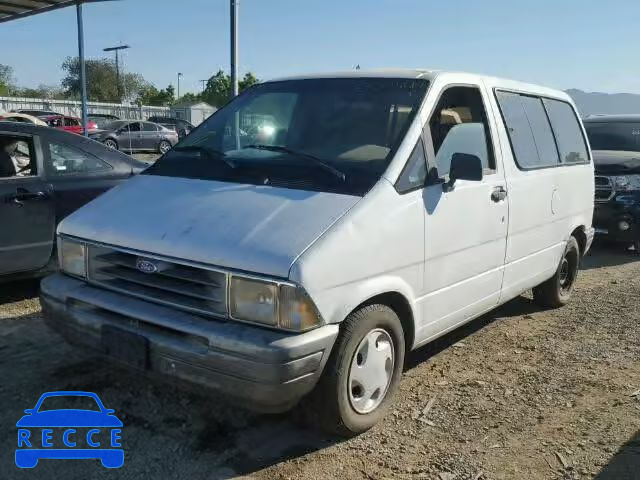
{"x":519,"y":394}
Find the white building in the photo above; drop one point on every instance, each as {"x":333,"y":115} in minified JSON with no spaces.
{"x":194,"y":112}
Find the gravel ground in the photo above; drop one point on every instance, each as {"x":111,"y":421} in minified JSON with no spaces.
{"x":518,"y":394}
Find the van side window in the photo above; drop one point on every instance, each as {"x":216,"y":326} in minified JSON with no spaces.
{"x":414,"y":174}
{"x":529,"y":130}
{"x":459,"y":125}
{"x":571,"y":143}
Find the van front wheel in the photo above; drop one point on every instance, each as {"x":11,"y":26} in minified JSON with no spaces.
{"x":362,"y":373}
{"x":556,"y":291}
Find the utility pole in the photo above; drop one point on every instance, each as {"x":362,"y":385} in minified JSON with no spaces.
{"x":234,"y":47}
{"x":204,"y":84}
{"x":83,"y":70}
{"x":118,"y":83}
{"x":179,"y":76}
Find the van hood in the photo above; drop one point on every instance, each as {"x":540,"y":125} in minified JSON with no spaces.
{"x":259,"y":229}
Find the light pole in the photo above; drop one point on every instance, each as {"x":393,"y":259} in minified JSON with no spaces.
{"x":234,"y":47}
{"x":83,"y":70}
{"x":117,"y":49}
{"x":179,"y":76}
{"x":204,"y":84}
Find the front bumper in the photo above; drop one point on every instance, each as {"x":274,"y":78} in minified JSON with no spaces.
{"x":608,"y":218}
{"x":265,"y":370}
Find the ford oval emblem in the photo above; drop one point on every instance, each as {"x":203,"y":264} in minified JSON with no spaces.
{"x":146,"y":266}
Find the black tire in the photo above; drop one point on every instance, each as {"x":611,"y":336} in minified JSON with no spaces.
{"x":111,"y":143}
{"x":556,"y":291}
{"x":329,"y":406}
{"x":164,"y":147}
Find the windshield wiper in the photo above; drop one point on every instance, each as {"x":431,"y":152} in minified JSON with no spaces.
{"x":317,"y":161}
{"x":209,"y":152}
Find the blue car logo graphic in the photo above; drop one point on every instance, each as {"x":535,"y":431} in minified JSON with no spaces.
{"x":66,"y":433}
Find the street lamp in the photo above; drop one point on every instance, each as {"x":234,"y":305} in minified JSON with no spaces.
{"x":117,"y":49}
{"x":234,"y":47}
{"x":179,"y":76}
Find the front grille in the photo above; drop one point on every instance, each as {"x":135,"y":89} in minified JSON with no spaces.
{"x":186,"y":287}
{"x":604,"y":189}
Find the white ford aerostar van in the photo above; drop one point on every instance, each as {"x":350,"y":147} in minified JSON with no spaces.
{"x":307,"y":235}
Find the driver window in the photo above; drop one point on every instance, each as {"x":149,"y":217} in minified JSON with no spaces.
{"x":134,"y":127}
{"x":16,"y":157}
{"x":459,"y":125}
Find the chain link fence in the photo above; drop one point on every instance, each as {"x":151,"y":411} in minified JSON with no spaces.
{"x":74,"y":108}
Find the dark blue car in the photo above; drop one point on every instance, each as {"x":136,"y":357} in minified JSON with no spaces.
{"x":41,"y":427}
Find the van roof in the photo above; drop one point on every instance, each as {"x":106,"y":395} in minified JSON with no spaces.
{"x":427,"y":74}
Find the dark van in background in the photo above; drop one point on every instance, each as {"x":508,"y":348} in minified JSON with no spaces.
{"x":615,"y":142}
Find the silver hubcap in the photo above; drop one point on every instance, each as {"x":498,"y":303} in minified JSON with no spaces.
{"x":371,"y":371}
{"x":165,"y":147}
{"x":110,"y":144}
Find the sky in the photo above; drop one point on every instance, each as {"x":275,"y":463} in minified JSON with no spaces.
{"x":586,"y":44}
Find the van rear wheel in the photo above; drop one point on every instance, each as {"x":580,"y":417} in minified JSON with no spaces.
{"x":361,"y":375}
{"x":557,"y":291}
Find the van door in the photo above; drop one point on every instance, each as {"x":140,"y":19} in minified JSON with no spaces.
{"x":465,"y":228}
{"x":531,"y":161}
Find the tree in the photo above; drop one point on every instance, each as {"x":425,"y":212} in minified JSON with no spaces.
{"x":189,"y":98}
{"x":6,"y":80}
{"x":49,"y":92}
{"x":150,"y":95}
{"x":101,"y":81}
{"x":218,"y":89}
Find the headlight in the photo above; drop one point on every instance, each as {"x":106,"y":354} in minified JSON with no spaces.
{"x":625,"y":183}
{"x":254,"y":301}
{"x":282,"y":306}
{"x":72,"y":257}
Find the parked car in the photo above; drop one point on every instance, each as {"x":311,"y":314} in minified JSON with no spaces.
{"x":69,"y":124}
{"x":102,"y":119}
{"x":182,"y":127}
{"x":615,"y":140}
{"x":45,"y":174}
{"x":378,"y":212}
{"x":37,"y":113}
{"x":135,"y":136}
{"x":22,"y":118}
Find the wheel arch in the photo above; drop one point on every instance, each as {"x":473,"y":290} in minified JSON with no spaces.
{"x":397,"y":302}
{"x":579,"y":233}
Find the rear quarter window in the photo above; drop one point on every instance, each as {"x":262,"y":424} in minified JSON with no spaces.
{"x":566,"y":127}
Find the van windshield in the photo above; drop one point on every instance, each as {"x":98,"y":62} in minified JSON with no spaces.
{"x":614,"y":135}
{"x":334,"y":134}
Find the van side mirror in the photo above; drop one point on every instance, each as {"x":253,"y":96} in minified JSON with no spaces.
{"x":464,"y":166}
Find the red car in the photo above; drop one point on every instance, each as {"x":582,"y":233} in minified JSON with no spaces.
{"x":69,"y":124}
